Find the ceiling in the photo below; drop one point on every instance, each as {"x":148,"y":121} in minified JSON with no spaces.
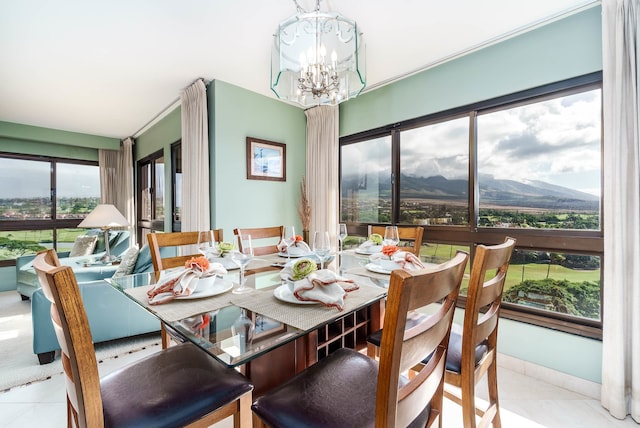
{"x":109,"y":67}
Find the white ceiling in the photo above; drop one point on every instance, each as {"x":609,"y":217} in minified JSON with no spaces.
{"x":109,"y":67}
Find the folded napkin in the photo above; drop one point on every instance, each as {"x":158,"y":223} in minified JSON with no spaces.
{"x":404,"y":259}
{"x":299,"y":248}
{"x":370,"y":247}
{"x":322,"y":286}
{"x":182,"y":282}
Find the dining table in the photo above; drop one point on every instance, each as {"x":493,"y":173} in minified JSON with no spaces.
{"x":268,"y":334}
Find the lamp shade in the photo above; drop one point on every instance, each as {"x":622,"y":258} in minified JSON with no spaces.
{"x":104,"y":216}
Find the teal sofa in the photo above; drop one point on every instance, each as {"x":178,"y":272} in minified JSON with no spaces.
{"x":111,"y":314}
{"x":27,"y":281}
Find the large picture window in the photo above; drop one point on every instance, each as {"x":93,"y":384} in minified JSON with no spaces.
{"x":527,"y":165}
{"x":42,"y":200}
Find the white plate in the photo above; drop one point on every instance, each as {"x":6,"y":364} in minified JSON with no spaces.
{"x":295,"y":256}
{"x":377,"y":268}
{"x":368,"y":252}
{"x":283,"y":293}
{"x":208,"y":287}
{"x":227,"y":263}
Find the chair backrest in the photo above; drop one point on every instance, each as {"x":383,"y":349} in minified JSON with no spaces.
{"x":484,"y":296}
{"x":402,"y":349}
{"x":174,"y":239}
{"x":405,"y":233}
{"x":72,"y":329}
{"x":267,"y":238}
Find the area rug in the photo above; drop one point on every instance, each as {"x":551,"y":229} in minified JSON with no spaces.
{"x":19,"y":365}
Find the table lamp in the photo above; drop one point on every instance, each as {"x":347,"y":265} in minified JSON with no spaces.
{"x":105,"y":217}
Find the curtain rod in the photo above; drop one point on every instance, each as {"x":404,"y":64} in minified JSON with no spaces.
{"x":168,"y":109}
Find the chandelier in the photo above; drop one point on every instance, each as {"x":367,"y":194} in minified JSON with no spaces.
{"x":318,"y":58}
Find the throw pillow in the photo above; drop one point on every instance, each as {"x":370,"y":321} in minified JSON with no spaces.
{"x":128,"y":262}
{"x":83,"y":246}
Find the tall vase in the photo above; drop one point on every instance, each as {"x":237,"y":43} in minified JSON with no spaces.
{"x":305,"y":236}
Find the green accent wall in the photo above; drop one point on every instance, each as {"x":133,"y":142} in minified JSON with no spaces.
{"x":35,"y":140}
{"x":235,"y":114}
{"x":34,"y":134}
{"x":560,"y":50}
{"x":161,"y":136}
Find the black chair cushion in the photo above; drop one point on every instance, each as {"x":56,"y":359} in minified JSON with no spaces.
{"x":171,"y":388}
{"x":338,"y":391}
{"x":454,"y":351}
{"x":413,"y":319}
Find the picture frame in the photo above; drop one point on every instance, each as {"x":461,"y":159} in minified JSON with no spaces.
{"x":266,"y":160}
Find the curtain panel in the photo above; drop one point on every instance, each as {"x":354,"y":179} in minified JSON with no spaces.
{"x":116,"y":182}
{"x":322,"y":169}
{"x":620,"y":392}
{"x":196,"y":209}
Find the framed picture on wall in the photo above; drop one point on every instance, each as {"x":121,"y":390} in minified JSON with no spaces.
{"x":266,"y":160}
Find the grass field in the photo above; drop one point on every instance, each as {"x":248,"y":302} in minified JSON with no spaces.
{"x":65,"y":237}
{"x":517,"y":273}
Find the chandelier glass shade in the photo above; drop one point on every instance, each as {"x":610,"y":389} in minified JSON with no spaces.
{"x":318,"y":58}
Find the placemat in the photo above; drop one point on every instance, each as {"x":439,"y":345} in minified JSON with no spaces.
{"x":304,"y":317}
{"x":363,"y":271}
{"x":179,"y":309}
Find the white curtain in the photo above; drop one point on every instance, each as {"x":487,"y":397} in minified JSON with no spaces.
{"x":195,"y":214}
{"x":116,"y":182}
{"x":621,"y":311}
{"x":322,"y":169}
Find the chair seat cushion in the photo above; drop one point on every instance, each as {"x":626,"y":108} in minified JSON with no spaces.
{"x":413,"y":319}
{"x":173,"y":387}
{"x":338,"y":391}
{"x":454,"y":352}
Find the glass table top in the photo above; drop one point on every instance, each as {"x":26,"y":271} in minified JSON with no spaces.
{"x":224,"y":324}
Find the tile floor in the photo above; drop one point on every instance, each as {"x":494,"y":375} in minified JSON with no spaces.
{"x":525,"y":403}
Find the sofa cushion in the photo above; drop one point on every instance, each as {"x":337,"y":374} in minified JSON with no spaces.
{"x":128,"y":262}
{"x":83,"y":245}
{"x":143,"y":263}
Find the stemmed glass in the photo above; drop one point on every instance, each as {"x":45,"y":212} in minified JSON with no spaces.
{"x":289,"y":238}
{"x":321,"y":246}
{"x":342,"y":234}
{"x":391,"y":235}
{"x":207,"y":245}
{"x":241,"y":257}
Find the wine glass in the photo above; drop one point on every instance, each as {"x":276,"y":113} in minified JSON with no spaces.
{"x":289,"y":238}
{"x":207,"y":245}
{"x":342,"y":234}
{"x":391,"y":235}
{"x":241,"y":257}
{"x":321,"y":246}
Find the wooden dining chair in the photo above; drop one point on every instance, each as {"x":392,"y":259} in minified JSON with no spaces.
{"x":473,"y":347}
{"x":349,"y":389}
{"x":412,"y":234}
{"x":266,"y":237}
{"x":179,"y":386}
{"x":174,"y":240}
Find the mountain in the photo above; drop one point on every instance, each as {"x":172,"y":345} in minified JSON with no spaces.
{"x":534,"y":194}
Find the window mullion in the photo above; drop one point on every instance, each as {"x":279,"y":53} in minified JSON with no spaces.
{"x":395,"y":176}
